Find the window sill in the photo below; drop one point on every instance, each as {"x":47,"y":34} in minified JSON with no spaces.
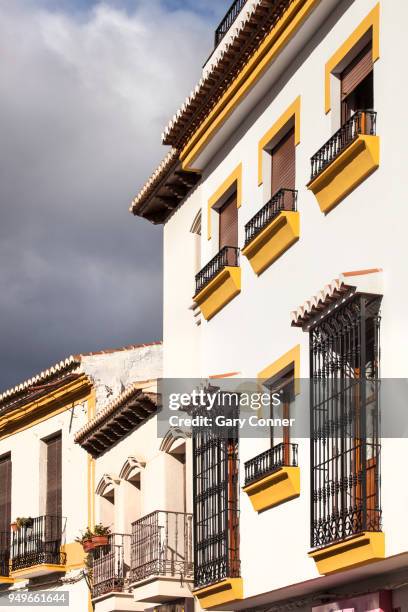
{"x":360,"y":159}
{"x":353,"y":552}
{"x":275,"y":489}
{"x":272,"y":241}
{"x":219,"y":291}
{"x":223,"y":592}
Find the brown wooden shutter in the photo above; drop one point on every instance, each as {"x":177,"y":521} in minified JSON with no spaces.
{"x":284,"y":164}
{"x":5,"y":494}
{"x":54,"y":477}
{"x":229,"y":223}
{"x":356,"y":71}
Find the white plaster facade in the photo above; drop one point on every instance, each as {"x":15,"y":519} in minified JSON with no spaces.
{"x":366,"y":230}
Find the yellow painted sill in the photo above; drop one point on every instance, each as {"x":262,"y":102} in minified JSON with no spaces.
{"x":274,"y":489}
{"x":45,"y":567}
{"x":223,"y":592}
{"x":360,"y":159}
{"x":219,"y":291}
{"x":272,"y":241}
{"x":353,"y":552}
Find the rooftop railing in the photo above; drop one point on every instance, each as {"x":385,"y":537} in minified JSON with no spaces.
{"x":228,"y":20}
{"x":362,"y":122}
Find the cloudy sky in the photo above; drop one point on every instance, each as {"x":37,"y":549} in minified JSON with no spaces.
{"x":86,"y":88}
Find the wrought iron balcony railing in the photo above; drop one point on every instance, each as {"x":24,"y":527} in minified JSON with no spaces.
{"x":281,"y":455}
{"x":228,"y":20}
{"x":362,"y":122}
{"x":284,"y":199}
{"x":228,"y":256}
{"x":38,"y":543}
{"x":5,"y":539}
{"x":109,"y":567}
{"x":162,"y":546}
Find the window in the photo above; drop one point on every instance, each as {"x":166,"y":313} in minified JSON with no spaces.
{"x":284,"y":164}
{"x":216,"y":522}
{"x":357,"y":84}
{"x":228,"y":223}
{"x":282,"y":386}
{"x":5,"y":513}
{"x":53,"y":506}
{"x":345,"y":450}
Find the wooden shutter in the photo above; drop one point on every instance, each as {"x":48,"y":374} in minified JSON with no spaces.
{"x":356,"y":71}
{"x":54,"y":477}
{"x":229,"y":223}
{"x":283,"y":163}
{"x":5,"y":494}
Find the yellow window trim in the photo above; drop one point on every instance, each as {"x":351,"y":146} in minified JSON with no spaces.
{"x":273,"y":44}
{"x":372,"y":21}
{"x":234,"y":177}
{"x":292,"y":111}
{"x":292,"y":356}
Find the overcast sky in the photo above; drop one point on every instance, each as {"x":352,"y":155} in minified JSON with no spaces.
{"x":86,"y":88}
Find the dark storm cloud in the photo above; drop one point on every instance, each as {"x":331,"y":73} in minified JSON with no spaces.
{"x":84,"y":98}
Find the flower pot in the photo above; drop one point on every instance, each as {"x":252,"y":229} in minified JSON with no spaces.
{"x":14,"y":527}
{"x":100,"y":541}
{"x":87,"y":545}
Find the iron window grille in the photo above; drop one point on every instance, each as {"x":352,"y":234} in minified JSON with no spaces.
{"x":362,"y":122}
{"x":38,"y":543}
{"x":216,"y":504}
{"x":281,"y":455}
{"x":227,"y":256}
{"x":161,"y":546}
{"x":228,"y":20}
{"x":109,"y":568}
{"x":284,"y":199}
{"x":345,"y":449}
{"x":4,"y":553}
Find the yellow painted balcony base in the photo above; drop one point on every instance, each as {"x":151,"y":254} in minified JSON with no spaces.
{"x":224,"y":592}
{"x":273,"y":241}
{"x":37,"y":570}
{"x":6,"y":580}
{"x":219,"y":291}
{"x":353,"y":552}
{"x":360,"y":159}
{"x":275,"y":489}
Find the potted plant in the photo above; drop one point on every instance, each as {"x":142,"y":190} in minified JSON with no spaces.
{"x":14,"y":526}
{"x":100,"y":535}
{"x":86,"y":540}
{"x":23,"y":522}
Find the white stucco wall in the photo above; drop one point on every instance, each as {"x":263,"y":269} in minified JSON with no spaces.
{"x":366,"y":230}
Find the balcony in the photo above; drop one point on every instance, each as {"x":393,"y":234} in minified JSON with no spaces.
{"x":5,"y":558}
{"x":161,"y":556}
{"x":109,"y":569}
{"x":272,"y":231}
{"x":273,"y":477}
{"x":347,"y":158}
{"x":218,"y":282}
{"x":36,"y":548}
{"x":228,"y":20}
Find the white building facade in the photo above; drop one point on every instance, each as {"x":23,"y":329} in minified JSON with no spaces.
{"x":283,"y":262}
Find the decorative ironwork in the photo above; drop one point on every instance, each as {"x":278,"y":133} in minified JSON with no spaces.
{"x":345,"y":449}
{"x":109,"y":569}
{"x":162,"y":546}
{"x":281,"y":455}
{"x":227,"y":256}
{"x":216,"y":504}
{"x":362,"y":122}
{"x":4,"y":553}
{"x":284,"y":199}
{"x":39,"y":543}
{"x":228,"y":20}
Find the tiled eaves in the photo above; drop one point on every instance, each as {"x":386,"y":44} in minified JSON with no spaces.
{"x":245,"y":40}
